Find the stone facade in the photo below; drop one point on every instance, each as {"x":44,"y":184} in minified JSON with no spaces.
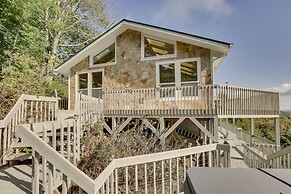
{"x":131,"y":72}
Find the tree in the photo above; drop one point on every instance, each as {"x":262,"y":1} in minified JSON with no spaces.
{"x":36,"y":35}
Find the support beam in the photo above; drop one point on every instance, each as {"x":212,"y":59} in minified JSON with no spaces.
{"x":277,"y":132}
{"x":149,"y":125}
{"x":107,"y":128}
{"x":121,"y":127}
{"x":215,"y":130}
{"x":252,"y":130}
{"x":173,"y":127}
{"x":202,"y":128}
{"x":113,"y":124}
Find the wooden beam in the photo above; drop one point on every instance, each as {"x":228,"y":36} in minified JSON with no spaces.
{"x":202,"y":128}
{"x":107,"y":128}
{"x":149,"y":125}
{"x":177,"y":123}
{"x":121,"y":127}
{"x":156,"y":42}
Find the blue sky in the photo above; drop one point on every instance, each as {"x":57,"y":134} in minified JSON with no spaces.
{"x":259,"y":29}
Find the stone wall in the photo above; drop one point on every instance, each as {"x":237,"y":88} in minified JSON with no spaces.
{"x":131,"y":72}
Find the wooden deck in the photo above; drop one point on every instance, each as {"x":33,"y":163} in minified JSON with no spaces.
{"x":210,"y":100}
{"x":15,"y":179}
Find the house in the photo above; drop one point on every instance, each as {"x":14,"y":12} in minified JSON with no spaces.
{"x":162,"y":77}
{"x":153,"y":73}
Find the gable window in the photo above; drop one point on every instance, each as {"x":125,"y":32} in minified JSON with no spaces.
{"x":106,"y":56}
{"x":153,"y":48}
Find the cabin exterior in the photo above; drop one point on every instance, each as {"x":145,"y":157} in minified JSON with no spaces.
{"x":142,"y":71}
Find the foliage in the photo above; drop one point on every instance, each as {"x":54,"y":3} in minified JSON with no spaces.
{"x":98,"y":148}
{"x":265,"y":128}
{"x":35,"y":36}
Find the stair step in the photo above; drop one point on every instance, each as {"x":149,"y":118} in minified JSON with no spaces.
{"x":20,"y":145}
{"x":20,"y":156}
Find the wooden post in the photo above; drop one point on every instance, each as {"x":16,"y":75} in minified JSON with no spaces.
{"x":215,"y":129}
{"x":277,"y":132}
{"x":252,"y":130}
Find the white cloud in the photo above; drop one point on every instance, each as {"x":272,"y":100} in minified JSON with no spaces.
{"x":181,"y":10}
{"x":285,"y":95}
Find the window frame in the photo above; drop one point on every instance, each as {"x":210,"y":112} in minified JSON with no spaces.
{"x":178,"y":82}
{"x":89,"y":74}
{"x":91,"y":62}
{"x":143,"y":58}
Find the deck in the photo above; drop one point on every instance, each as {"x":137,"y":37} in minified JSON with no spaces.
{"x":200,"y":101}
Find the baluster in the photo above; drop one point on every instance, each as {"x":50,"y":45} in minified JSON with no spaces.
{"x":126,"y":180}
{"x":136,"y":179}
{"x":116,"y":181}
{"x":170,"y":183}
{"x":145,"y":179}
{"x":68,"y":142}
{"x":155,"y":182}
{"x":177,"y":169}
{"x":163,"y":177}
{"x":44,"y":161}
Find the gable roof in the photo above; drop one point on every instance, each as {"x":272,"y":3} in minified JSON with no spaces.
{"x":219,"y":48}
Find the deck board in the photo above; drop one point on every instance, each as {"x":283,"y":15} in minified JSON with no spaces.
{"x":15,"y":179}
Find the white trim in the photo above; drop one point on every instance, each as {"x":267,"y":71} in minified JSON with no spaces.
{"x":91,"y":65}
{"x":143,"y":58}
{"x":69,"y":92}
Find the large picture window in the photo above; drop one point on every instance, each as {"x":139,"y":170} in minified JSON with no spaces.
{"x":153,"y":48}
{"x":178,"y":73}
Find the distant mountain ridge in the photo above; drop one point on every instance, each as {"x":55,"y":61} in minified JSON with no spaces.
{"x":285,"y":112}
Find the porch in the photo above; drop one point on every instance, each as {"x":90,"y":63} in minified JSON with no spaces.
{"x":200,"y":101}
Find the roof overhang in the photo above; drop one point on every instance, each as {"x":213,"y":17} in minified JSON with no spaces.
{"x":218,"y":48}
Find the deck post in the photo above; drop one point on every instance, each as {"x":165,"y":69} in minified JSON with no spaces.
{"x":252,"y":130}
{"x":114,"y":124}
{"x":215,"y":130}
{"x":162,"y":130}
{"x":277,"y":132}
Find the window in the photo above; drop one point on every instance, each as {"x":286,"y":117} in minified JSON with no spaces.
{"x":188,"y":71}
{"x":91,"y":83}
{"x":178,"y":73}
{"x":105,"y":56}
{"x":167,"y":74}
{"x":96,"y":84}
{"x":153,"y":48}
{"x":83,"y":83}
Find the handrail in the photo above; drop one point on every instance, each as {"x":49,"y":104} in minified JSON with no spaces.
{"x":18,"y":104}
{"x":279,"y":153}
{"x":66,"y":167}
{"x":255,"y":158}
{"x":103,"y":178}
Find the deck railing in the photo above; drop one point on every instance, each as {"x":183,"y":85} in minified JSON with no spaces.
{"x":219,"y":100}
{"x":38,"y":108}
{"x":255,"y":158}
{"x":243,"y":135}
{"x":88,"y":108}
{"x":54,"y":163}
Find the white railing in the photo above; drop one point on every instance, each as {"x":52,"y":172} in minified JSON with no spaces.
{"x":220,"y":100}
{"x":88,"y":108}
{"x":37,"y":107}
{"x":154,"y":173}
{"x":189,"y":100}
{"x":255,"y":158}
{"x":244,"y":135}
{"x":55,"y":150}
{"x":160,"y":172}
{"x":232,"y":100}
